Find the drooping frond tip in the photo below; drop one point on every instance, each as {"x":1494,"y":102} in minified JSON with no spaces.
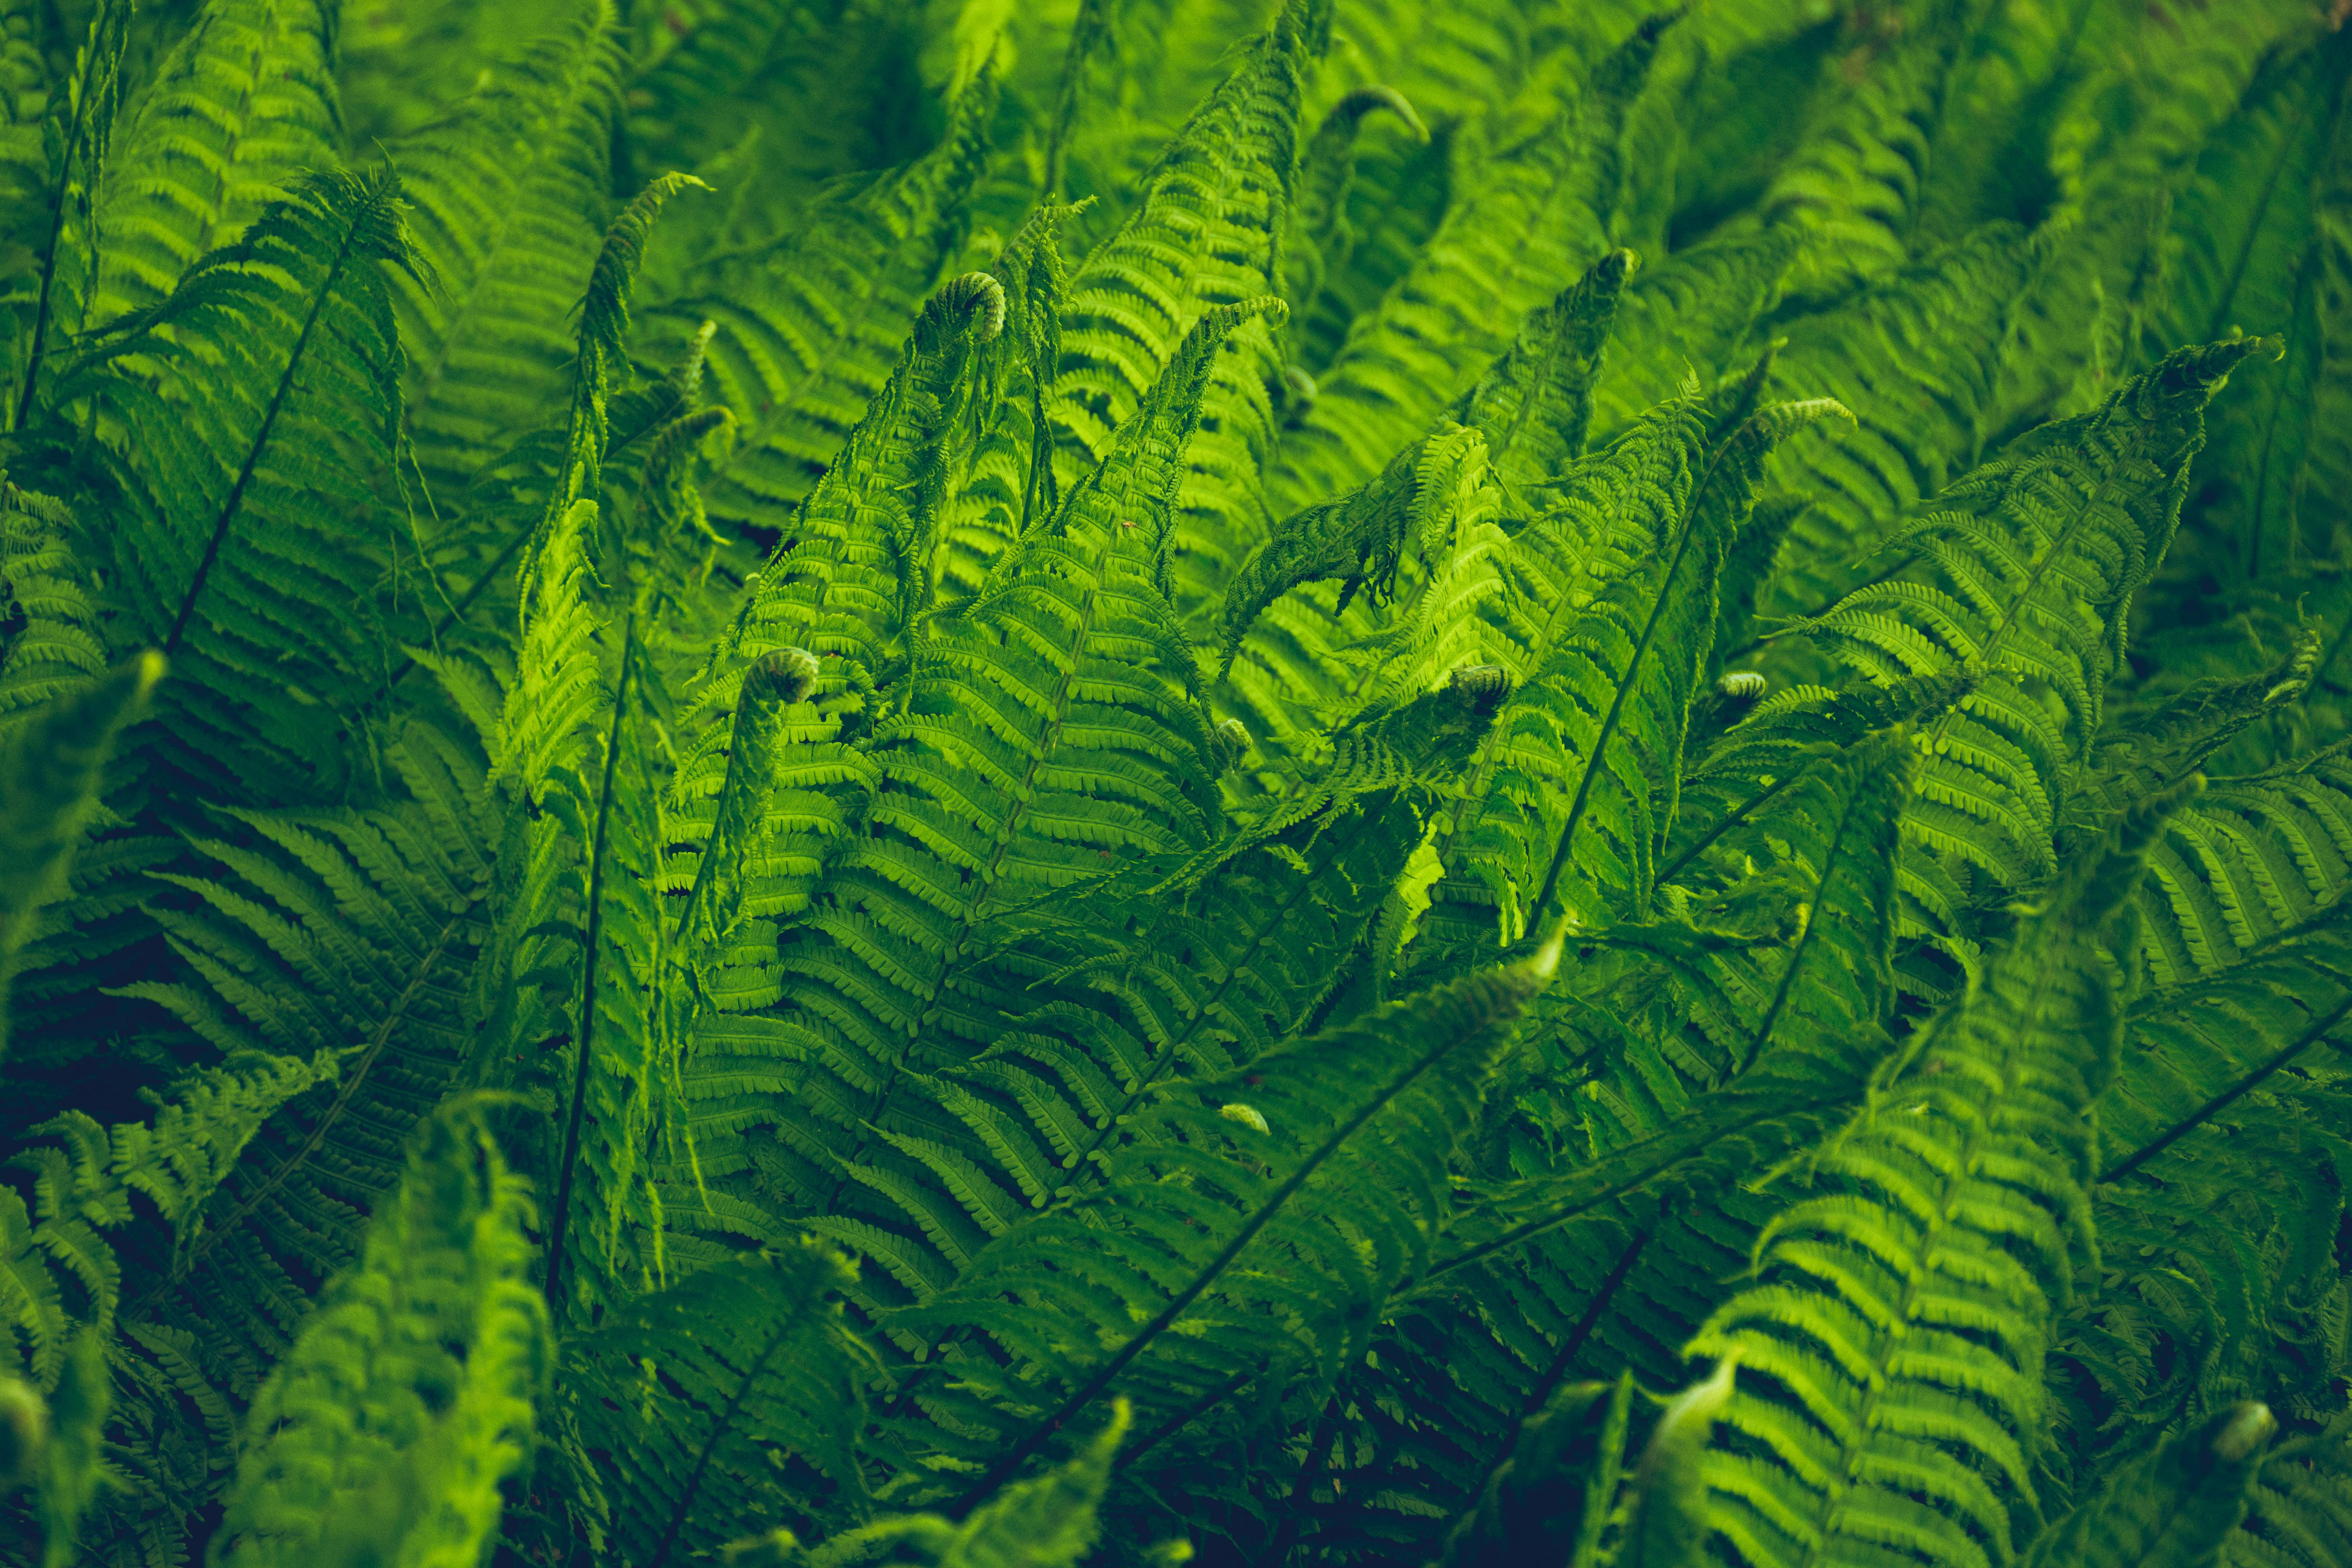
{"x":1366,"y":100}
{"x":781,"y":678}
{"x":982,"y":290}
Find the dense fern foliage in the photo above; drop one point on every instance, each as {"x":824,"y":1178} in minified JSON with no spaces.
{"x":1502,"y":784}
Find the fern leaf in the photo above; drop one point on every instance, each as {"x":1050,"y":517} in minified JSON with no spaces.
{"x":720,"y":1400}
{"x":504,"y":194}
{"x":242,"y":108}
{"x":1052,"y":732}
{"x":409,"y":1397}
{"x":274,"y":365}
{"x":2023,"y":573}
{"x":1535,"y":404}
{"x":808,"y":330}
{"x":49,"y":768}
{"x":1193,"y":1264}
{"x":2179,"y":1506}
{"x":1529,"y":229}
{"x":56,"y":219}
{"x":1892,"y":1347}
{"x":1598,"y":727}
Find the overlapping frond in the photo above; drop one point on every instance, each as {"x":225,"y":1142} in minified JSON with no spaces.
{"x":1890,"y":1352}
{"x":1222,"y":1231}
{"x":411,"y":1396}
{"x":2023,"y":573}
{"x":241,"y":111}
{"x":505,"y":193}
{"x":731,"y":1397}
{"x":252,"y":403}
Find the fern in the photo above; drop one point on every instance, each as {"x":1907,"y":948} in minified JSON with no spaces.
{"x":409,"y":1396}
{"x":238,"y":110}
{"x":1116,"y":780}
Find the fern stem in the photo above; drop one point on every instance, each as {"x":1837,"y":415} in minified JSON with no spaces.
{"x":783,"y":1331}
{"x":110,"y":63}
{"x":1597,"y":761}
{"x":261,"y":443}
{"x":1302,"y":1485}
{"x":1569,"y":1349}
{"x":1731,"y":819}
{"x":1032,"y":1440}
{"x":2231,"y":1095}
{"x":1519,"y":1235}
{"x":1190,"y":1414}
{"x":594,"y":937}
{"x":1087,"y":31}
{"x":344,"y":1094}
{"x":1771,"y":1019}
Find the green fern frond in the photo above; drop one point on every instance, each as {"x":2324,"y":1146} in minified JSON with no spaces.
{"x":504,"y":194}
{"x":1891,"y":1349}
{"x":55,"y":644}
{"x":1920,"y":415}
{"x":809,"y":329}
{"x":55,"y":165}
{"x":720,"y":1400}
{"x":1224,"y":1250}
{"x":241,"y":111}
{"x":1855,"y":184}
{"x":322,"y":937}
{"x":2246,"y":252}
{"x":2179,"y":1508}
{"x":1045,"y":733}
{"x":1535,"y":404}
{"x":1536,"y":220}
{"x":1597,"y":729}
{"x":2023,"y":573}
{"x":247,"y":400}
{"x":51,"y":764}
{"x":410,"y":1396}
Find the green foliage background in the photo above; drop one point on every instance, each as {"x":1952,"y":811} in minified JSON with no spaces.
{"x":1513,"y":782}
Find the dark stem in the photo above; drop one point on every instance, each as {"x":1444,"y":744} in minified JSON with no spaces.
{"x":587,"y":1033}
{"x":1735,"y":817}
{"x":344,"y":1094}
{"x":1035,"y":1438}
{"x":2231,"y":1095}
{"x":1772,"y":1108}
{"x":1573,"y":1346}
{"x":1190,"y":1414}
{"x":1310,"y":1470}
{"x":1780,"y":995}
{"x":99,"y":60}
{"x":260,"y":441}
{"x":1597,"y":761}
{"x":719,"y":1427}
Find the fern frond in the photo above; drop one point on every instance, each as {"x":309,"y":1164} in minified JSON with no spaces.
{"x":1535,"y":219}
{"x":1891,"y":1349}
{"x":57,"y":180}
{"x":411,"y":1395}
{"x":2023,"y":573}
{"x":809,"y":328}
{"x":720,"y":1401}
{"x":1596,"y":732}
{"x":504,"y":196}
{"x":2179,"y":1508}
{"x":1044,"y":733}
{"x":49,"y":774}
{"x":249,"y":398}
{"x":1226,"y":1235}
{"x":240,"y":111}
{"x":1855,"y":184}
